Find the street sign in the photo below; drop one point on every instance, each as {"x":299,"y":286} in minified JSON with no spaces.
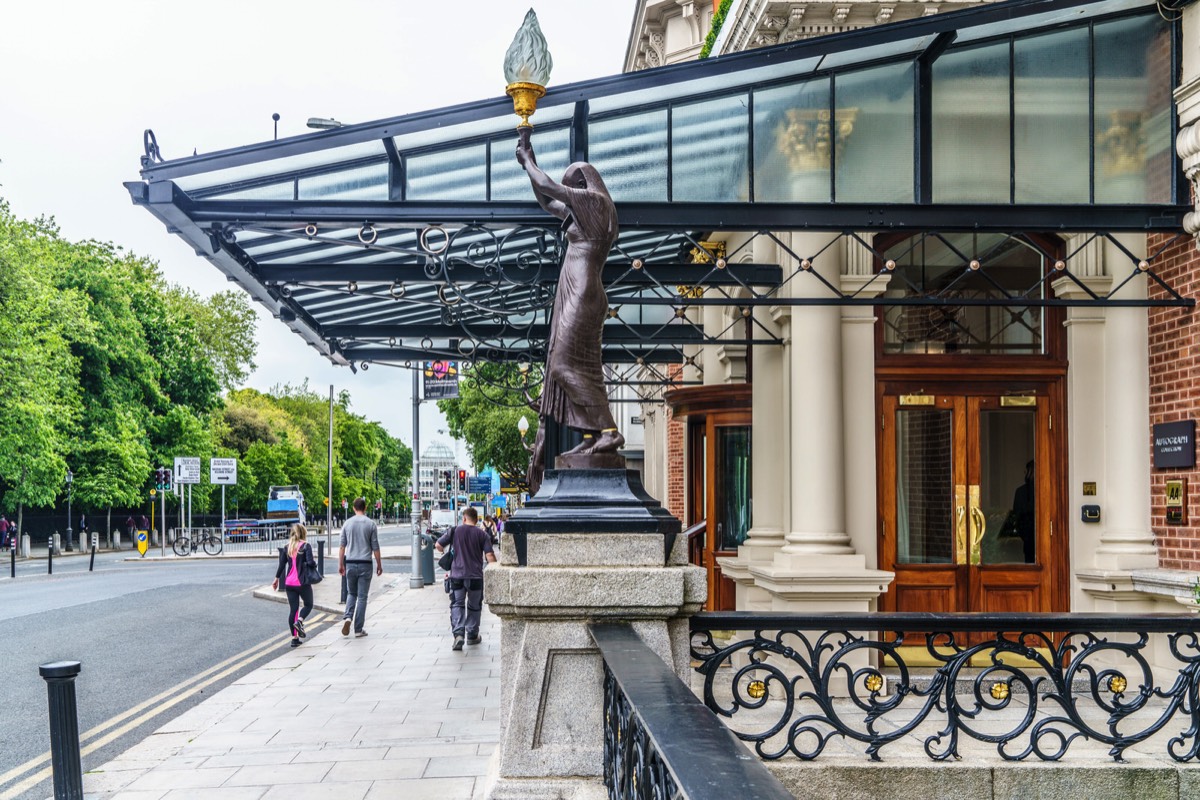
{"x":477,"y":484}
{"x":187,"y":469}
{"x":344,"y":503}
{"x":143,"y":541}
{"x":222,"y":471}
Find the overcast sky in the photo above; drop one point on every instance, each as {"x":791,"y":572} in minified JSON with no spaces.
{"x":82,"y":80}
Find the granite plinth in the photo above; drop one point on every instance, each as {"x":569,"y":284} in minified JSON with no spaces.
{"x":582,"y":501}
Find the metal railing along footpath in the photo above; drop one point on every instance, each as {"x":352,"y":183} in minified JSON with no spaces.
{"x":1031,"y":684}
{"x":659,"y":740}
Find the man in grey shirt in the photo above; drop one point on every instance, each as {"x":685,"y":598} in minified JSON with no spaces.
{"x":360,"y":540}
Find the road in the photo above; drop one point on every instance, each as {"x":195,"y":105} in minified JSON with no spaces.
{"x":154,"y":639}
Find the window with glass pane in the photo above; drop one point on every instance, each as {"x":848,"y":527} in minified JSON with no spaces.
{"x":458,"y":174}
{"x":924,"y":486}
{"x":872,"y":135}
{"x":1134,"y":159}
{"x":631,"y":153}
{"x":791,"y":143}
{"x":733,"y":486}
{"x":971,"y":126}
{"x":936,"y":265}
{"x":361,"y":183}
{"x":509,"y":181}
{"x":708,"y":150}
{"x":1051,"y":148}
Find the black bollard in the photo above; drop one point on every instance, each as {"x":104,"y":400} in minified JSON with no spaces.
{"x":92,"y":560}
{"x":321,"y":556}
{"x":50,"y":558}
{"x":64,"y":729}
{"x":13,"y":551}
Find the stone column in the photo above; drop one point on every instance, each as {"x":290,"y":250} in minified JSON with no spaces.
{"x":551,"y":674}
{"x":1127,"y":540}
{"x":818,"y":569}
{"x":768,"y":448}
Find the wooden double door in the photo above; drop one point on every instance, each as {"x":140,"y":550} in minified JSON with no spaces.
{"x":971,"y":493}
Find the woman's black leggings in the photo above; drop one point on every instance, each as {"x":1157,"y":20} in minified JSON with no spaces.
{"x":295,"y":595}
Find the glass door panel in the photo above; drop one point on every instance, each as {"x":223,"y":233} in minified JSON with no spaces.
{"x":732,"y":486}
{"x":1007,"y":491}
{"x":924,"y":486}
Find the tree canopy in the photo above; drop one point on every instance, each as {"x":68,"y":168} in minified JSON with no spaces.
{"x":486,"y":414}
{"x":108,"y":370}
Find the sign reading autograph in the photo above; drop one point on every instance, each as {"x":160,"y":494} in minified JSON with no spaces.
{"x":1175,"y":444}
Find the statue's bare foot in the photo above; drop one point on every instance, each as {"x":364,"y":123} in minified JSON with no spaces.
{"x":609,"y":441}
{"x":583,"y":447}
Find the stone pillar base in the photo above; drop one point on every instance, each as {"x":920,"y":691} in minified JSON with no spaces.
{"x":552,"y":675}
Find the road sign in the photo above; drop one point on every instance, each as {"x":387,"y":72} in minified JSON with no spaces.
{"x":153,"y":493}
{"x":344,"y":503}
{"x":222,"y":471}
{"x":187,"y":469}
{"x":477,"y":484}
{"x":143,"y":541}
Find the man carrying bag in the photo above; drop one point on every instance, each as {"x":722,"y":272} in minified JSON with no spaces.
{"x":471,"y":546}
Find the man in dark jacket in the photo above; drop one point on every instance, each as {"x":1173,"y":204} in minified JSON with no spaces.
{"x":472,"y":546}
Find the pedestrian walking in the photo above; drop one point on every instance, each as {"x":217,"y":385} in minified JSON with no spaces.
{"x":4,"y":531}
{"x":297,"y":572}
{"x":130,"y":527}
{"x":471,"y":545}
{"x":359,"y":542}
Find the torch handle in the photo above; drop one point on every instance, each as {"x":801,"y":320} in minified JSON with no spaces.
{"x":524,"y":135}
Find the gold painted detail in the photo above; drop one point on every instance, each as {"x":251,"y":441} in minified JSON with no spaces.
{"x":1089,"y":488}
{"x":960,"y":524}
{"x":686,"y":292}
{"x":978,"y":524}
{"x":525,"y":96}
{"x":916,"y":400}
{"x":756,"y":689}
{"x":707,"y":252}
{"x":873,"y":681}
{"x":1117,"y":684}
{"x":1122,"y":146}
{"x":1015,"y":401}
{"x":999,"y":691}
{"x":807,"y":136}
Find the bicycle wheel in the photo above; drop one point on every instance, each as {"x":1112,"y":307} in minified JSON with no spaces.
{"x":182,"y":547}
{"x":212,"y":545}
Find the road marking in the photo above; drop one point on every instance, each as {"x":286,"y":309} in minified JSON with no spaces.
{"x":174,"y":696}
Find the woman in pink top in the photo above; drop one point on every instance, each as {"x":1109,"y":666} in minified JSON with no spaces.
{"x":296,"y":567}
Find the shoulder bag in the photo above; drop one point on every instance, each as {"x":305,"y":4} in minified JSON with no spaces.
{"x":314,"y":574}
{"x":447,"y":559}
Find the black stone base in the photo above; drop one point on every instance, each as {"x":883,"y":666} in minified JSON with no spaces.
{"x":591,"y":501}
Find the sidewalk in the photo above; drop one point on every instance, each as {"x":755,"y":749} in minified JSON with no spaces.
{"x":395,"y":714}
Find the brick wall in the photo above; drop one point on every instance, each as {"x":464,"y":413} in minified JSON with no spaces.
{"x":676,"y":500}
{"x":1175,"y":393}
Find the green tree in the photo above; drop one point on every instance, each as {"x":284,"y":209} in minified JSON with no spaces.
{"x":485,"y":416}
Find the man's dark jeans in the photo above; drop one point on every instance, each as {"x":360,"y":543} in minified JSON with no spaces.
{"x":358,"y":584}
{"x":466,"y":606}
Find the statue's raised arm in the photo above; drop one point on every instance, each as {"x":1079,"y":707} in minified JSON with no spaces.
{"x":573,"y":390}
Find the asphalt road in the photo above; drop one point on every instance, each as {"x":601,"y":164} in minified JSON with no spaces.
{"x":154,"y":639}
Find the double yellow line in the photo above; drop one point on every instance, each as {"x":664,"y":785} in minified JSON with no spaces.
{"x":104,"y":733}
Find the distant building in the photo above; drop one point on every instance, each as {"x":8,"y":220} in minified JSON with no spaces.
{"x":436,"y":462}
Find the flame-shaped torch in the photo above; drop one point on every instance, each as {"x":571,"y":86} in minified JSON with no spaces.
{"x":527,"y":66}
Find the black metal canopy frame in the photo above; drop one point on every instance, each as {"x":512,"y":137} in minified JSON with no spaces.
{"x":415,"y":238}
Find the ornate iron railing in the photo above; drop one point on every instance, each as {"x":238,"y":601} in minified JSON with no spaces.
{"x":1002,"y":679}
{"x":659,"y":741}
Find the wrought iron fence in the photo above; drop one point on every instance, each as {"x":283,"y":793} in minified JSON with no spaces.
{"x":659,"y":741}
{"x":1030,"y":684}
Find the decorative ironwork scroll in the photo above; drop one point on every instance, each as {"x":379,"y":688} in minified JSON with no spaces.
{"x":634,"y":769}
{"x":1029,"y":693}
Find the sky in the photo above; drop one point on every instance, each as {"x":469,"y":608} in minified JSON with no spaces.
{"x":83,"y":80}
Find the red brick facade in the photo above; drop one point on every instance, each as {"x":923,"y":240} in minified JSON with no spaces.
{"x":676,"y":448}
{"x":1175,"y":393}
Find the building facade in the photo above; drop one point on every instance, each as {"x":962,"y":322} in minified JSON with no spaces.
{"x":436,"y":463}
{"x":947,"y":457}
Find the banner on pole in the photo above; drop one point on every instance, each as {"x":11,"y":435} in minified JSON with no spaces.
{"x":441,"y":379}
{"x":222,"y":471}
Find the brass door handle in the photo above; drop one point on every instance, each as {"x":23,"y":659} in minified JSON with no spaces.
{"x":960,"y":525}
{"x":979,"y":523}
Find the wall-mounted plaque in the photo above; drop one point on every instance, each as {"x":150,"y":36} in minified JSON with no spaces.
{"x":1175,"y":444}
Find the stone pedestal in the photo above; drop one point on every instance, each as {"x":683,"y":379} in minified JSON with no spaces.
{"x":552,"y":688}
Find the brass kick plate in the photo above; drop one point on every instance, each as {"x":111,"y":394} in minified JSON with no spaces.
{"x":1018,"y":402}
{"x":916,"y":400}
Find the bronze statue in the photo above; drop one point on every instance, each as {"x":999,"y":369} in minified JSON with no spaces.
{"x":573,"y":388}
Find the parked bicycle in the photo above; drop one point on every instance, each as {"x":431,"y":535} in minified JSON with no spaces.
{"x":211,"y":543}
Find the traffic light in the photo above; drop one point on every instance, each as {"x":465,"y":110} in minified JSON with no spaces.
{"x":462,"y":480}
{"x":447,"y":482}
{"x":158,"y":476}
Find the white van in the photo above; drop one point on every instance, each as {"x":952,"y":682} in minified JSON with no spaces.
{"x":442,"y":519}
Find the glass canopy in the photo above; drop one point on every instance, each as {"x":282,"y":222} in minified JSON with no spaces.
{"x":1021,"y":115}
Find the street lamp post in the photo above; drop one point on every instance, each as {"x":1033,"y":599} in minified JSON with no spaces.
{"x":70,"y":480}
